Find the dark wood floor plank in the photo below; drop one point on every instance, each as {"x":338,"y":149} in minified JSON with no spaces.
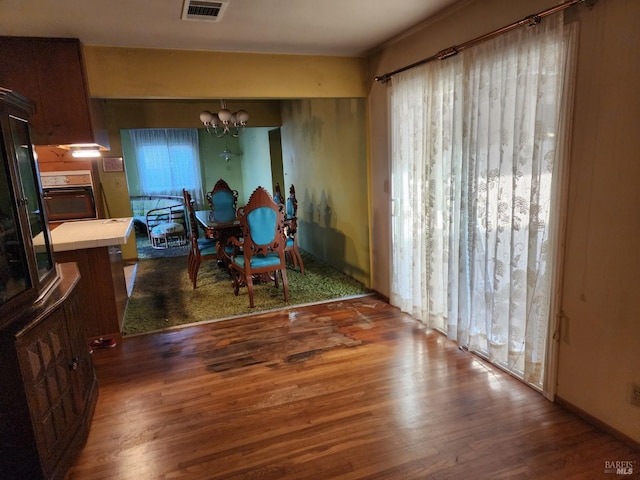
{"x":345,"y":390}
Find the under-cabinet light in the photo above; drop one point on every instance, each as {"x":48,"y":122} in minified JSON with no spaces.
{"x":85,"y":153}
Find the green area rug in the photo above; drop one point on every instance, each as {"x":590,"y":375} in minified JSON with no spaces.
{"x":163,"y":296}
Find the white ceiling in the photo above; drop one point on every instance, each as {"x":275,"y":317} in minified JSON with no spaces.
{"x":318,"y":27}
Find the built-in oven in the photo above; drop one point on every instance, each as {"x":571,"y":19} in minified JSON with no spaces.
{"x":68,"y":195}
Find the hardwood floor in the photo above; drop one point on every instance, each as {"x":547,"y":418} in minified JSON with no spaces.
{"x":346,"y":390}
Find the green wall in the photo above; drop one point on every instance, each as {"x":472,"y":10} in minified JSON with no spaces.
{"x":213,"y":167}
{"x":256,"y":166}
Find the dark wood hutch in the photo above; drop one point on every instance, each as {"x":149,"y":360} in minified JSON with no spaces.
{"x":49,"y":387}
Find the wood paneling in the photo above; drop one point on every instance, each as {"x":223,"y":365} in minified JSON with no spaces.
{"x":350,"y":390}
{"x":49,"y":387}
{"x":102,"y":289}
{"x":51,"y":73}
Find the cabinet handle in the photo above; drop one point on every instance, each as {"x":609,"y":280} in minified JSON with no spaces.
{"x":74,"y":364}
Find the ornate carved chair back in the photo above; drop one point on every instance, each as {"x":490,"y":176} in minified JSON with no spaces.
{"x":263,"y":243}
{"x":188,"y":205}
{"x":223,"y":202}
{"x":291,"y":230}
{"x":292,"y":203}
{"x":277,"y":194}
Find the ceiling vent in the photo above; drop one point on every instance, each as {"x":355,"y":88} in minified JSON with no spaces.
{"x":203,"y":10}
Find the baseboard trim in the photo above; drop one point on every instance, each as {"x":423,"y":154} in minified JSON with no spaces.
{"x":381,"y":296}
{"x":599,"y":424}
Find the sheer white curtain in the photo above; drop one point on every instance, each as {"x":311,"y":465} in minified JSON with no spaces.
{"x":475,"y":176}
{"x":167,"y":160}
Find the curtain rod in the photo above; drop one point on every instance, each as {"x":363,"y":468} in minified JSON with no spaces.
{"x":529,"y":21}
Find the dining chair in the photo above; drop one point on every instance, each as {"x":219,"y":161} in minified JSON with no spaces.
{"x":277,"y":194}
{"x":200,"y":248}
{"x":223,"y":202}
{"x":260,"y":252}
{"x":192,"y":224}
{"x":193,"y":229}
{"x":291,"y":230}
{"x":196,"y":256}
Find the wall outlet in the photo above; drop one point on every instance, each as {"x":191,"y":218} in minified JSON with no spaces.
{"x":635,"y":394}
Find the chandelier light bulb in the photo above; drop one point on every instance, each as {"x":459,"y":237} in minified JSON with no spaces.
{"x":224,"y":122}
{"x":242,"y":117}
{"x":206,"y":117}
{"x":224,"y":115}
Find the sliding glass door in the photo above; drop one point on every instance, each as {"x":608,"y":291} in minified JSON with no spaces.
{"x":476,"y":171}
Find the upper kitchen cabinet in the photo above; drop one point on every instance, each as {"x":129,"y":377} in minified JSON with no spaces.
{"x":51,"y":73}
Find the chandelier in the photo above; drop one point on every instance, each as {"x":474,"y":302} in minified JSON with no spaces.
{"x":224,"y":122}
{"x":226,"y":153}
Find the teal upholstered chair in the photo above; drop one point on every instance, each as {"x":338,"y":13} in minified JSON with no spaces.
{"x":193,"y":229}
{"x":223,"y":202}
{"x":291,"y":230}
{"x":201,"y":248}
{"x":277,"y":194}
{"x":260,"y":252}
{"x":197,"y":254}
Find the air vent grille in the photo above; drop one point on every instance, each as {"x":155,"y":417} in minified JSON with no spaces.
{"x":203,"y":10}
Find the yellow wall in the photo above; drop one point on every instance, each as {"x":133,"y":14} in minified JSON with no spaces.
{"x":599,"y":355}
{"x":600,"y":351}
{"x":146,"y":73}
{"x":114,"y":186}
{"x":324,"y":155}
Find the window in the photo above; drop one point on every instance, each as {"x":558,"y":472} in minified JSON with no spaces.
{"x":166,"y":161}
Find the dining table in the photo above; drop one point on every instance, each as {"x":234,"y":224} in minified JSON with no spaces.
{"x":217,"y":230}
{"x":223,"y":231}
{"x":220,"y":232}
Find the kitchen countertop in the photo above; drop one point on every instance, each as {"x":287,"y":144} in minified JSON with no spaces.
{"x":104,"y":232}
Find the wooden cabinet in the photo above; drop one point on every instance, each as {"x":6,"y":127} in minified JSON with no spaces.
{"x":49,"y":386}
{"x":103,"y":289}
{"x":51,"y":73}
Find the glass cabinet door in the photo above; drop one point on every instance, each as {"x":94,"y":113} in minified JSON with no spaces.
{"x":32,"y":200}
{"x":14,"y":267}
{"x":28,"y":271}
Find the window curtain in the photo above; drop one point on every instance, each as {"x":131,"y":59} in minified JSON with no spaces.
{"x":476,"y":171}
{"x":167,"y":160}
